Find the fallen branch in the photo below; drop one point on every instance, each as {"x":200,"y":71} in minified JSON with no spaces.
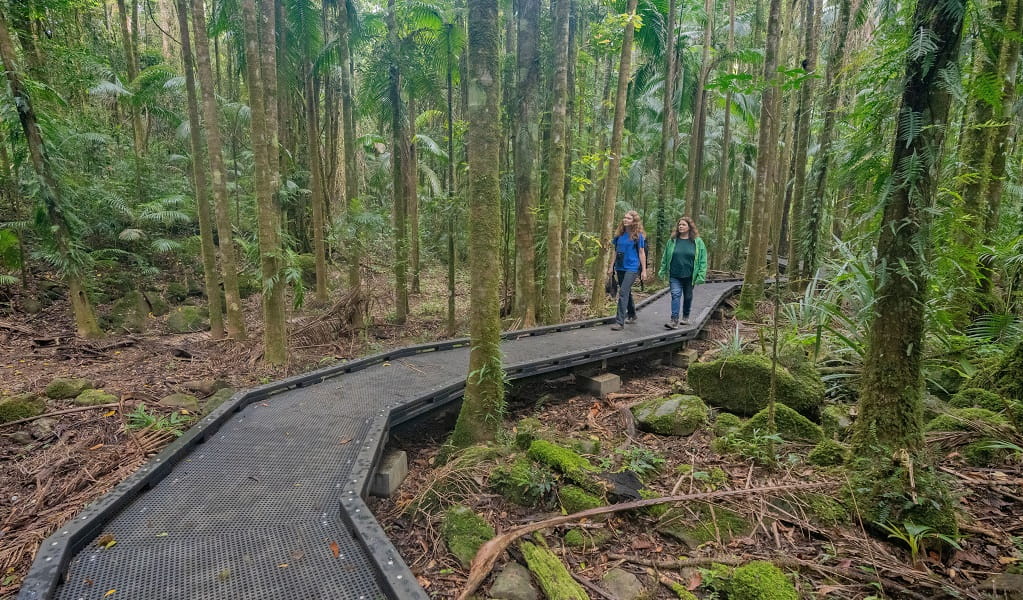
{"x":59,"y":412}
{"x":489,"y":552}
{"x":786,"y":562}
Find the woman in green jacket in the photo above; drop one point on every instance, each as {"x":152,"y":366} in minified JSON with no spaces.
{"x":684,"y":265}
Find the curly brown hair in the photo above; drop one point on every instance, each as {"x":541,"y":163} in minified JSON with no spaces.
{"x":693,"y":231}
{"x":635,"y":230}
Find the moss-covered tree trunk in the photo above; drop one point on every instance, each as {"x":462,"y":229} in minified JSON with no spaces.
{"x":760,"y":223}
{"x":527,"y":131}
{"x":354,"y":251}
{"x":59,"y":228}
{"x":208,"y":250}
{"x":665,"y":192}
{"x":215,"y":145}
{"x":607,"y":212}
{"x":890,"y":405}
{"x":694,"y":177}
{"x":719,"y":249}
{"x":483,"y":406}
{"x":551,"y":307}
{"x":316,"y":183}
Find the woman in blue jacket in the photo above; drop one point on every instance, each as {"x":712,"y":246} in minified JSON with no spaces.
{"x":684,"y":264}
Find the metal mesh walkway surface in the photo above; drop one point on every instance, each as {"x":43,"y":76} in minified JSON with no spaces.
{"x":263,"y":499}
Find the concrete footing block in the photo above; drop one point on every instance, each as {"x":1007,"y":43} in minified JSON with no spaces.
{"x":600,"y":384}
{"x":390,"y":473}
{"x":684,"y":358}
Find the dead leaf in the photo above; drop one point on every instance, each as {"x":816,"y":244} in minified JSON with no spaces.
{"x":97,"y":446}
{"x":185,"y":411}
{"x":224,"y":574}
{"x":109,"y":593}
{"x":1007,"y":560}
{"x":423,"y":582}
{"x":297,"y":555}
{"x":110,"y":413}
{"x":824,"y":590}
{"x":335,"y":549}
{"x":162,"y":534}
{"x":694,"y":581}
{"x":345,"y":441}
{"x":641,"y":544}
{"x":845,"y":563}
{"x":106,"y":541}
{"x":283,"y":565}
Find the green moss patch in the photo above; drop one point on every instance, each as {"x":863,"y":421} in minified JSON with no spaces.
{"x":726,"y":423}
{"x":883,"y":494}
{"x":740,"y":384}
{"x":574,"y":499}
{"x":94,"y":398}
{"x":701,"y":524}
{"x":16,"y":408}
{"x":962,"y":419}
{"x":790,"y":425}
{"x":63,"y":388}
{"x":978,"y":398}
{"x":587,"y":539}
{"x":760,"y":580}
{"x":188,"y":319}
{"x":828,"y":453}
{"x":836,"y":420}
{"x":985,"y":453}
{"x":551,"y":573}
{"x":523,"y":482}
{"x":464,"y":532}
{"x":824,"y":509}
{"x":561,"y":459}
{"x":674,"y":415}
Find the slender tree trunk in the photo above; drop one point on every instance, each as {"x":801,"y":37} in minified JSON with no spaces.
{"x":811,"y":24}
{"x":694,"y":179}
{"x":450,"y":177}
{"x":756,"y":268}
{"x":814,"y":202}
{"x":526,"y":123}
{"x":890,"y":407}
{"x":400,"y":161}
{"x":264,"y":137}
{"x":483,"y":406}
{"x":85,"y":316}
{"x":717,"y":257}
{"x":228,"y":262}
{"x":551,"y":312}
{"x":412,"y":191}
{"x":208,"y":250}
{"x":668,"y":130}
{"x":348,"y":127}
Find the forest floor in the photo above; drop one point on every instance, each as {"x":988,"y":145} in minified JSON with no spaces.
{"x":830,"y":553}
{"x":50,"y":468}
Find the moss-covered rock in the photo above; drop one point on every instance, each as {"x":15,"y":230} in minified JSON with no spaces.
{"x":464,"y":532}
{"x":179,"y":400}
{"x":1004,"y":377}
{"x":828,"y":453}
{"x":978,"y":398}
{"x":94,"y":398}
{"x":836,"y":420}
{"x":702,"y":523}
{"x":961,"y":419}
{"x":561,"y":459}
{"x":15,"y":408}
{"x":587,"y":539}
{"x":589,"y":445}
{"x":522,"y":482}
{"x":985,"y":452}
{"x":63,"y":388}
{"x":726,"y":423}
{"x":177,"y":291}
{"x":551,"y":573}
{"x":740,"y":384}
{"x":219,"y":397}
{"x":790,"y":425}
{"x":129,"y":312}
{"x":187,"y":319}
{"x":575,"y":499}
{"x":307,"y":265}
{"x":674,"y":415}
{"x":158,"y":306}
{"x":760,"y":580}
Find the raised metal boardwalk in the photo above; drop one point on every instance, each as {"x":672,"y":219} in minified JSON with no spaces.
{"x":263,"y":498}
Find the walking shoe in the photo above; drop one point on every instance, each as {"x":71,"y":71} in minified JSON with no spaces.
{"x":630,"y":320}
{"x":617,"y":327}
{"x":684,"y":321}
{"x":673,"y":324}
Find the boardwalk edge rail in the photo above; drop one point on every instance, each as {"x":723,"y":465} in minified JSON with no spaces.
{"x":393,"y":575}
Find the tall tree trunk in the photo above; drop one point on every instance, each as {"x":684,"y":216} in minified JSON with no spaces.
{"x":483,"y":406}
{"x":450,"y":175}
{"x":228,"y":262}
{"x":400,"y":162}
{"x":811,"y":23}
{"x":526,"y":123}
{"x":264,"y":141}
{"x":315,"y":164}
{"x":202,"y":202}
{"x":694,"y":179}
{"x":665,"y":193}
{"x":551,"y":312}
{"x":85,"y":316}
{"x":890,"y":407}
{"x":717,"y":257}
{"x":129,"y":42}
{"x":600,"y":266}
{"x":760,"y":225}
{"x":354,"y":252}
{"x":412,"y":191}
{"x":813,"y":203}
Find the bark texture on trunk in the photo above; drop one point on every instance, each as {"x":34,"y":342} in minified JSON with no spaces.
{"x":890,"y":406}
{"x":551,"y":312}
{"x":527,"y":128}
{"x":483,"y":406}
{"x":401,"y":160}
{"x":668,"y":129}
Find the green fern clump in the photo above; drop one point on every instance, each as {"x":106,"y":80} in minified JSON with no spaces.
{"x":523,"y":482}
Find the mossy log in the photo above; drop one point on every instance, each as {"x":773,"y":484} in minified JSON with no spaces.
{"x":555,"y":580}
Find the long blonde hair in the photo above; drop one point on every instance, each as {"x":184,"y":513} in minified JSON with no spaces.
{"x":635,"y":230}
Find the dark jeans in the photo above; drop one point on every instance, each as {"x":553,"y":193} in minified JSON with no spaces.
{"x":626,"y":305}
{"x":681,"y":287}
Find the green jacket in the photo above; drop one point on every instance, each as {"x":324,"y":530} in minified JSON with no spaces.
{"x":699,"y":263}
